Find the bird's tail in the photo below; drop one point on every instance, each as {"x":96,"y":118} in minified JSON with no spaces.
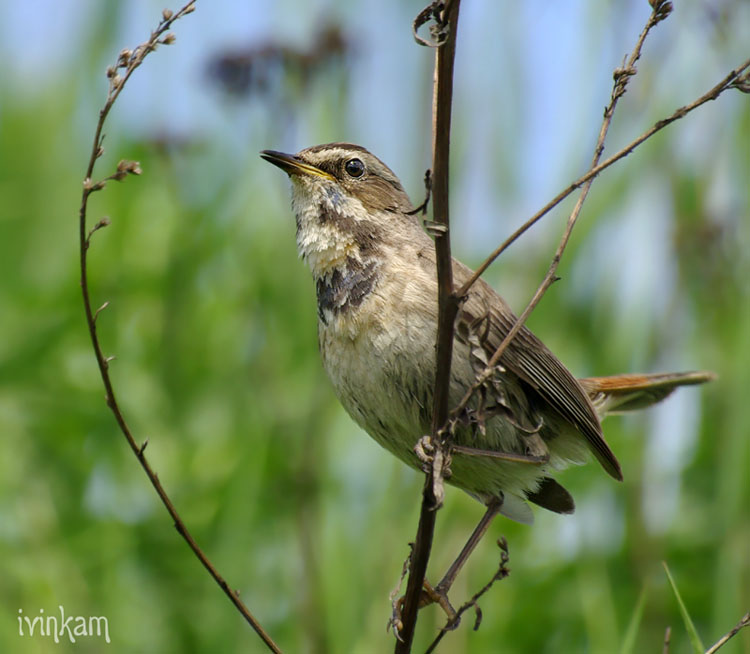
{"x":622,"y":393}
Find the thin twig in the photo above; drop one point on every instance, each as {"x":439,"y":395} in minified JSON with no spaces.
{"x":447,"y":308}
{"x":621,"y":78}
{"x":422,"y":208}
{"x":397,"y":603}
{"x":727,"y":83}
{"x":744,"y":622}
{"x":129,"y":60}
{"x":667,"y":640}
{"x":501,"y":573}
{"x":712,"y":94}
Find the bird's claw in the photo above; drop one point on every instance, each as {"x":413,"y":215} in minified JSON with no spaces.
{"x":424,"y":450}
{"x":437,"y":595}
{"x":430,"y":595}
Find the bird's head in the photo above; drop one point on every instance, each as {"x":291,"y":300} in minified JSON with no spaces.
{"x":348,"y":204}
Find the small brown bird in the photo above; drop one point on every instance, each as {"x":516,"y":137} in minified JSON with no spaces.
{"x":376,"y":283}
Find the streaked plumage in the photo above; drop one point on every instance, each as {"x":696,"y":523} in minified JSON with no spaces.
{"x":374,"y":271}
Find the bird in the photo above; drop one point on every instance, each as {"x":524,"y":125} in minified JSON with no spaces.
{"x":374,"y":269}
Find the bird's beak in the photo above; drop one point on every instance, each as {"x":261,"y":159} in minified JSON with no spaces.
{"x":292,"y":165}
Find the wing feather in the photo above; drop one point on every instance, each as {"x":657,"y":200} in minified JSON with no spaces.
{"x":529,"y":359}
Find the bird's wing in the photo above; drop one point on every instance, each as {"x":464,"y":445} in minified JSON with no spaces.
{"x":529,"y":359}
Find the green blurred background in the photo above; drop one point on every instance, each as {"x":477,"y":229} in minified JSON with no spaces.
{"x":212,"y":319}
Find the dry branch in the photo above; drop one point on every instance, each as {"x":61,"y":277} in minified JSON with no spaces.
{"x":667,"y":640}
{"x":501,"y":573}
{"x":621,"y":78}
{"x":446,"y":17}
{"x":744,"y":622}
{"x":734,"y":80}
{"x":738,"y":78}
{"x":128,"y":61}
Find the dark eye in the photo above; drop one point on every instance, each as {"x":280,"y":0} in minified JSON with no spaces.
{"x":355,"y":167}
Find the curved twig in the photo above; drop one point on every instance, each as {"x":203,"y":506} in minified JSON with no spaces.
{"x":744,"y":622}
{"x":729,"y":82}
{"x":737,"y":79}
{"x":501,"y":573}
{"x":128,"y":61}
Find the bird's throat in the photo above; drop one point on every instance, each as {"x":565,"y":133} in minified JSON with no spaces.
{"x":339,"y":243}
{"x":345,"y":287}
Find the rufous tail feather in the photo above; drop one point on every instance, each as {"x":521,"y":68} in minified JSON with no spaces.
{"x":622,"y":393}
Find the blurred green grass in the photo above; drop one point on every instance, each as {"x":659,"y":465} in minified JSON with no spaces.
{"x":212,"y":318}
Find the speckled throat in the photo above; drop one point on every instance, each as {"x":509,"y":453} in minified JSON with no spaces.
{"x":346,"y":287}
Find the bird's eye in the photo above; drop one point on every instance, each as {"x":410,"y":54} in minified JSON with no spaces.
{"x":355,"y":167}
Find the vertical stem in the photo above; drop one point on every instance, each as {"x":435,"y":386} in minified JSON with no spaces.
{"x":447,"y":306}
{"x":441,"y":128}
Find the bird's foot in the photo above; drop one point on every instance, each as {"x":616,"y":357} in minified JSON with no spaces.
{"x":424,"y":449}
{"x":430,"y":595}
{"x":439,"y":595}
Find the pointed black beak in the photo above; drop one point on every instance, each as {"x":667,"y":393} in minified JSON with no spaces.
{"x":292,"y":164}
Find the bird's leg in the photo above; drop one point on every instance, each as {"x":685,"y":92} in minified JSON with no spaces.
{"x":493,"y":508}
{"x":439,"y":594}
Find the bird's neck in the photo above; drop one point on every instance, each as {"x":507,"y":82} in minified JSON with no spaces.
{"x":338,"y":244}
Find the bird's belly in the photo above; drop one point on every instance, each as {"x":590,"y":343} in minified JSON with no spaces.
{"x":387,"y":390}
{"x":384,"y":387}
